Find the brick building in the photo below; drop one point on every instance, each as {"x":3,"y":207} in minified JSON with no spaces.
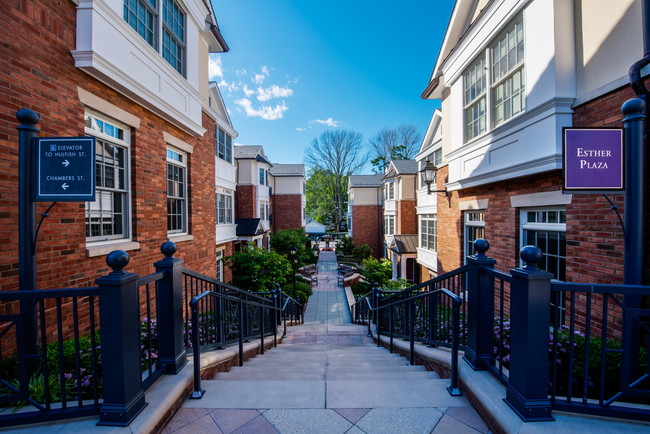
{"x":253,"y":197}
{"x":400,"y":219}
{"x":365,"y":212}
{"x":288,"y":199}
{"x":98,"y":69}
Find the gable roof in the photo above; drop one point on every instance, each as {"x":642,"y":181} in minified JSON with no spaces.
{"x":219,"y":107}
{"x":365,"y":181}
{"x":288,"y":170}
{"x":401,"y":167}
{"x":250,"y":152}
{"x":404,"y":244}
{"x":249,"y":227}
{"x":433,"y":134}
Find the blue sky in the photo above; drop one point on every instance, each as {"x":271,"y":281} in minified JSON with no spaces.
{"x":299,"y":67}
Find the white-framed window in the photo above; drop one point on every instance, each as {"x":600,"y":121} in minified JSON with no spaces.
{"x":264,"y":176}
{"x":220,"y":265}
{"x":474,"y":225}
{"x":176,"y":191}
{"x":143,"y":17}
{"x":264,"y":210}
{"x":108,"y":217}
{"x":389,"y":225}
{"x":475,"y":79}
{"x":223,"y":142}
{"x":546,"y":229}
{"x":502,"y":66}
{"x":428,"y":231}
{"x":390,"y":191}
{"x":224,"y":208}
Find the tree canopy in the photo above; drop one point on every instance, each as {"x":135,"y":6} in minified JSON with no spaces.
{"x":257,"y":270}
{"x":388,"y":144}
{"x":333,"y":156}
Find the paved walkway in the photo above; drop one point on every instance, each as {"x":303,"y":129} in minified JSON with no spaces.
{"x":327,"y":377}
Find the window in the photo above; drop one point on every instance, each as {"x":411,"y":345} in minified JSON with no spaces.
{"x":108,"y":216}
{"x":142,"y":16}
{"x":428,"y":231}
{"x":508,"y":81}
{"x":224,"y":145}
{"x":475,"y":99}
{"x":224,"y":209}
{"x":176,"y":191}
{"x":264,"y":210}
{"x":220,"y":265}
{"x":390,"y":191}
{"x":389,"y":225}
{"x":474,"y":229}
{"x":264,"y":177}
{"x":506,"y":98}
{"x":546,"y":229}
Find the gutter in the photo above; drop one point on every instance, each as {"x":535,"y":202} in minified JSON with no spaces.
{"x":635,"y":70}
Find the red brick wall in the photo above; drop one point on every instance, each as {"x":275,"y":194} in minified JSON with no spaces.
{"x":38,"y":72}
{"x":287,"y":211}
{"x":366,"y":227}
{"x":407,"y":219}
{"x":246,"y":202}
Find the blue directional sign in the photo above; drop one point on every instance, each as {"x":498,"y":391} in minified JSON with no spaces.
{"x":65,"y":169}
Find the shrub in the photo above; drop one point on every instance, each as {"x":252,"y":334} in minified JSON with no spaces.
{"x":257,"y":270}
{"x":362,"y":252}
{"x":345,"y":246}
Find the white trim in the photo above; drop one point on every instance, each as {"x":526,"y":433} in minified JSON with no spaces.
{"x":106,"y":248}
{"x":93,"y":101}
{"x":545,"y":198}
{"x":177,"y":238}
{"x":177,"y":143}
{"x":473,"y":204}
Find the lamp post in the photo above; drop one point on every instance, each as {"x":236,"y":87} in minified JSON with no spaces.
{"x":294,"y":261}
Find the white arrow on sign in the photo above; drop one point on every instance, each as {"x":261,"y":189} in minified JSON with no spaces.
{"x":65,"y":163}
{"x":65,"y":186}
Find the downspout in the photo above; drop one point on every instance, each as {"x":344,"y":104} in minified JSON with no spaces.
{"x":635,"y":70}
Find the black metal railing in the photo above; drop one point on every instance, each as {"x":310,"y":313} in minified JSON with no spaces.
{"x":148,"y":294}
{"x":63,"y":379}
{"x":222,"y":318}
{"x":589,"y":373}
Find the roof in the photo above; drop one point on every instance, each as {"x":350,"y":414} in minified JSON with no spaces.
{"x":288,"y":170}
{"x":247,"y":227}
{"x":401,"y":167}
{"x":250,"y":152}
{"x":365,"y":180}
{"x":404,"y":244}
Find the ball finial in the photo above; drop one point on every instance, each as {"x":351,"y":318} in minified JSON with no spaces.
{"x":168,"y":249}
{"x":26,"y":116}
{"x":481,"y":246}
{"x":117,"y":260}
{"x":531,"y":255}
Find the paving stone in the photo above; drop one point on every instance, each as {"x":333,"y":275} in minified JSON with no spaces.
{"x":400,"y":420}
{"x":468,"y":416}
{"x":352,"y":414}
{"x":259,"y":425}
{"x":230,"y":420}
{"x":203,"y":425}
{"x":449,"y":424}
{"x":311,"y":421}
{"x":186,"y":416}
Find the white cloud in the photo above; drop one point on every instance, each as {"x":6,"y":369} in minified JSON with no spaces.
{"x":215,"y":70}
{"x":301,"y":129}
{"x":248,"y":92}
{"x":274,"y":91}
{"x":265,"y":112}
{"x":329,"y":122}
{"x":259,"y":78}
{"x":230,"y":87}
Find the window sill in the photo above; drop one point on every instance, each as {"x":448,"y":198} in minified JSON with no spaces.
{"x":180,"y":238}
{"x":106,"y":248}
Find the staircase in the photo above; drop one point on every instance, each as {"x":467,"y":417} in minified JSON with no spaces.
{"x":326,"y":366}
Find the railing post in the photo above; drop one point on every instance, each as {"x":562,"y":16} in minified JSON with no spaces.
{"x":530,"y":298}
{"x":480,"y":308}
{"x":278,"y":303}
{"x":379,"y":295}
{"x":412,"y":331}
{"x":453,"y":388}
{"x":172,"y":356}
{"x":120,"y":334}
{"x":374,"y":302}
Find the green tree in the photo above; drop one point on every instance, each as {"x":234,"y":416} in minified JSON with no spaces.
{"x":322,"y":199}
{"x":379,"y":271}
{"x":388,"y":144}
{"x":257,"y":270}
{"x":284,"y":239}
{"x":335,"y":155}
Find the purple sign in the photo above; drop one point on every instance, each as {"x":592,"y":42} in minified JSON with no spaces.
{"x":593,"y":159}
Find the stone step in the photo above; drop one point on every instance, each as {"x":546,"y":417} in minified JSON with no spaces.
{"x":418,"y":375}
